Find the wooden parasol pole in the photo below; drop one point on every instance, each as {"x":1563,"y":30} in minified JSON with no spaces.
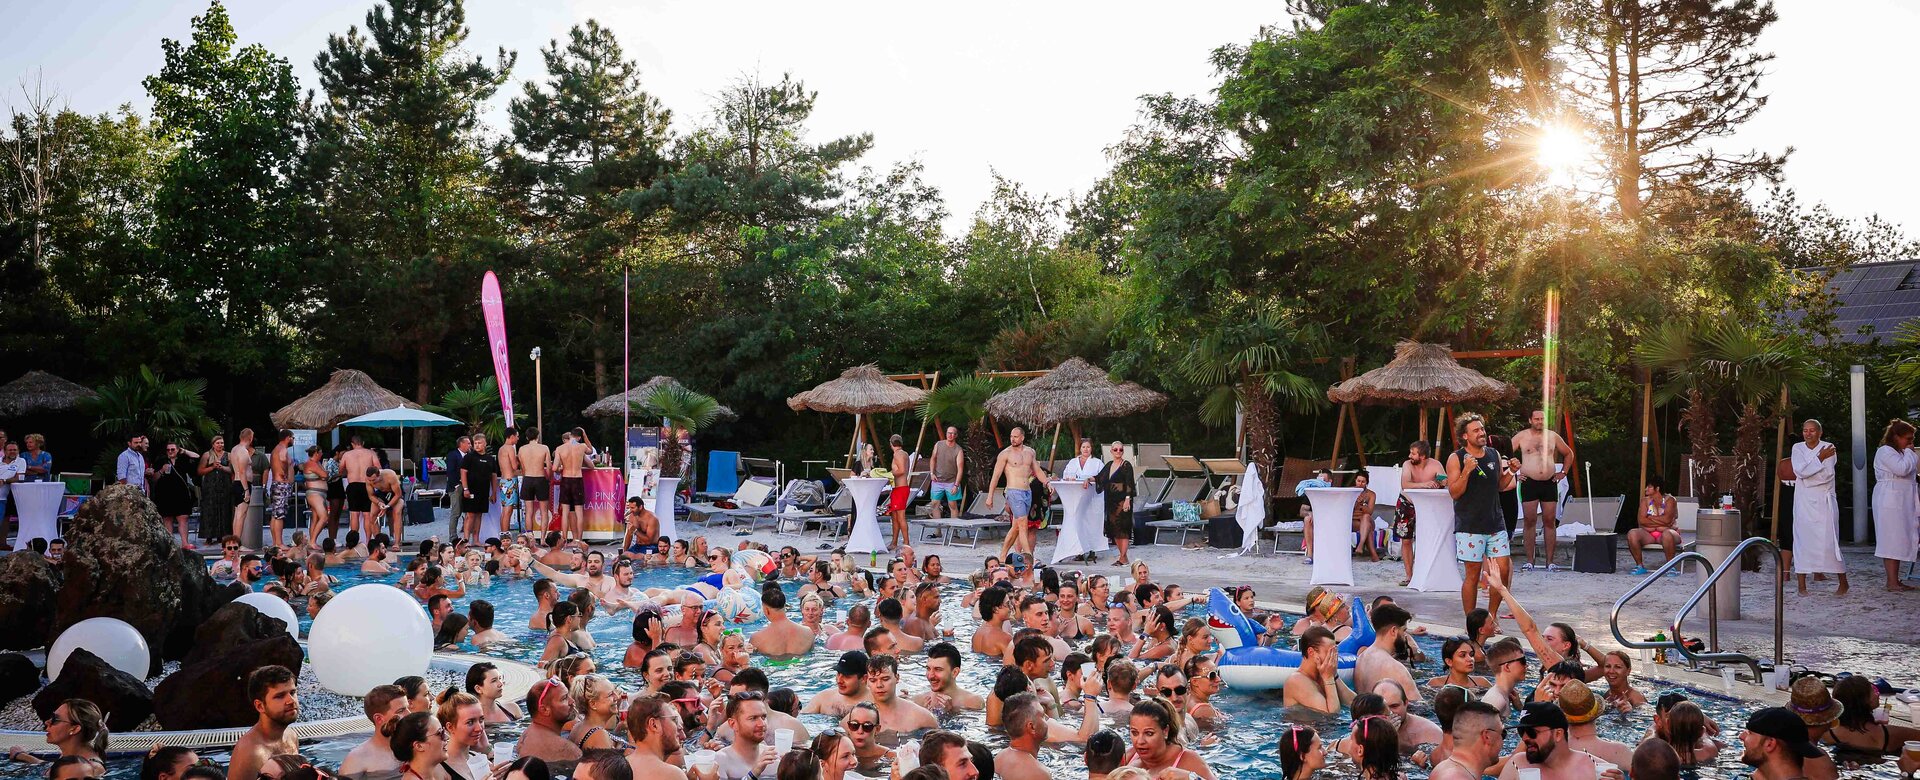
{"x":922,"y":437}
{"x":1646,"y":428}
{"x":1053,"y":449}
{"x":1339,"y":431}
{"x":1779,"y":451}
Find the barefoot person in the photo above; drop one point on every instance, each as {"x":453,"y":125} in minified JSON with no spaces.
{"x":1816,"y":513}
{"x":280,"y":486}
{"x":508,"y":459}
{"x":1894,"y":516}
{"x":1540,"y":451}
{"x":1420,"y":471}
{"x":1115,"y":483}
{"x":1017,"y":463}
{"x":353,"y":466}
{"x":1475,"y":478}
{"x":534,"y":458}
{"x":901,"y":467}
{"x":571,"y":458}
{"x":271,"y":689}
{"x":243,"y":481}
{"x":1659,"y":525}
{"x":949,"y":468}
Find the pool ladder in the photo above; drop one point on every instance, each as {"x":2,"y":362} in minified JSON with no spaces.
{"x":1713,"y":654}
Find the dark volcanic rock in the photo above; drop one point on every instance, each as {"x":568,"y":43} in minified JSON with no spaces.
{"x":28,"y":583}
{"x":18,"y":676}
{"x":212,"y":693}
{"x":125,"y":700}
{"x":120,"y":563}
{"x":232,"y":625}
{"x":200,"y":598}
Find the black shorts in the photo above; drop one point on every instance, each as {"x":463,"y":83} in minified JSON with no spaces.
{"x":1540,"y":490}
{"x":573,"y":491}
{"x":536,"y":489}
{"x":359,"y":499}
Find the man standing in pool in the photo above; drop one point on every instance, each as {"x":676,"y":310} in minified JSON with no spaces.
{"x":271,"y":690}
{"x":658,"y":734}
{"x":595,"y":579}
{"x":1376,"y":661}
{"x":1540,"y":452}
{"x":749,"y":756}
{"x":1476,"y":476}
{"x":1317,"y":684}
{"x":781,"y":638}
{"x":571,"y":458}
{"x":1017,"y":463}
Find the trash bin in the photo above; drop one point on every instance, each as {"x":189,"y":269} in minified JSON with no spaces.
{"x":256,"y":517}
{"x":1718,"y":533}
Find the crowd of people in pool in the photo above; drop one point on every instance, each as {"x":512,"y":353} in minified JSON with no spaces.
{"x":1104,"y":671}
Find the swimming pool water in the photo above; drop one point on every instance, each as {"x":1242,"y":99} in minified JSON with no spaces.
{"x":1245,"y":747}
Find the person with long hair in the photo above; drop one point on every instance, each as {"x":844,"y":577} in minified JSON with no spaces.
{"x":173,"y":490}
{"x":1458,"y":657}
{"x":217,"y":489}
{"x":562,"y":621}
{"x":1195,"y":641}
{"x":1157,"y":742}
{"x":420,"y":745}
{"x":489,"y":686}
{"x":1326,"y":609}
{"x":1376,"y":748}
{"x":313,"y":481}
{"x":834,"y":751}
{"x":77,"y":728}
{"x":1159,"y":643}
{"x":598,"y":702}
{"x":1686,"y":731}
{"x":466,"y":730}
{"x":1896,"y":523}
{"x":167,"y":762}
{"x":1857,"y":730}
{"x":1301,"y":752}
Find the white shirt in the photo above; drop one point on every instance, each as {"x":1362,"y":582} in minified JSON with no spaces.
{"x":1078,"y":469}
{"x":10,"y":469}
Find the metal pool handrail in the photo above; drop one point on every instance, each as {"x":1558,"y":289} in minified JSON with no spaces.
{"x":1613,"y":619}
{"x":1714,"y":653}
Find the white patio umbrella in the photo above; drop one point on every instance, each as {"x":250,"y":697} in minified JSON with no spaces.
{"x":400,"y":417}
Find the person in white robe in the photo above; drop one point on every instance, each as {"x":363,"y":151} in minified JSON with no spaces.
{"x":1816,"y":512}
{"x":1896,"y":501}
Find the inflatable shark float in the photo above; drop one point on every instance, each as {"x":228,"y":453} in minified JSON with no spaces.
{"x":1246,"y":665}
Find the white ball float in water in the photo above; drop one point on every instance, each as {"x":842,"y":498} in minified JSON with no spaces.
{"x":369,"y":635}
{"x":274,"y":607}
{"x":112,"y":639}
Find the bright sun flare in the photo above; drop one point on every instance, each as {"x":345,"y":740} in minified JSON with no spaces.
{"x":1562,"y":151}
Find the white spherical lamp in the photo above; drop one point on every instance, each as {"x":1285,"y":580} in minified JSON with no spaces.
{"x":274,"y":607}
{"x":369,"y":635}
{"x":112,"y":639}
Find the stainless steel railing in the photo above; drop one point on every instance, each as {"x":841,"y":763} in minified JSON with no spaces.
{"x":1713,"y":653}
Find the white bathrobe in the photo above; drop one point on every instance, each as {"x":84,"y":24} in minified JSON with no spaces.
{"x":1816,"y":513}
{"x":1896,"y":515}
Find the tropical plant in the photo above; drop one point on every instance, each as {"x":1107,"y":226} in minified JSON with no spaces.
{"x":964,"y":400}
{"x":1756,"y":367}
{"x":1245,"y":365}
{"x":477,"y":408}
{"x":145,"y":402}
{"x":1675,"y":353}
{"x":1902,"y":372}
{"x":683,"y":410}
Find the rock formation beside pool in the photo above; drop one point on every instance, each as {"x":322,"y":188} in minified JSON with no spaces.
{"x":210,"y":690}
{"x":28,"y":584}
{"x":122,"y":697}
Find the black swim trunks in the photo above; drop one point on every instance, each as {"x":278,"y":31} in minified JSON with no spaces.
{"x":1540,"y":490}
{"x":573,"y":491}
{"x":358,"y":497}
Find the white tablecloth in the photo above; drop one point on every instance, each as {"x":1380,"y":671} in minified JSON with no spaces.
{"x":1435,"y":567}
{"x":663,"y":490}
{"x":866,"y":536}
{"x":39,"y":509}
{"x":1384,"y":481}
{"x":1081,"y":528}
{"x":1332,"y":534}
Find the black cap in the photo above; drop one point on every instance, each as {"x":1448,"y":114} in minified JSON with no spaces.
{"x":852,"y":662}
{"x":1543,"y":713}
{"x":1781,"y":725}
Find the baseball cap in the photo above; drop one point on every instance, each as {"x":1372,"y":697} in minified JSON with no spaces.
{"x":1782,"y":725}
{"x":852,"y":662}
{"x":1543,"y":713}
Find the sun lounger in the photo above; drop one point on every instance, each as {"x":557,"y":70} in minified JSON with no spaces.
{"x":752,"y":499}
{"x":974,"y":521}
{"x":1181,"y":489}
{"x":834,"y":515}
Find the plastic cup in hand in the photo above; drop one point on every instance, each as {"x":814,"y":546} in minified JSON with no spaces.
{"x":1086,"y":671}
{"x":782,"y":741}
{"x":1913,"y":750}
{"x":1727,"y":677}
{"x":1530,"y":773}
{"x":1602,"y":767}
{"x":704,"y":764}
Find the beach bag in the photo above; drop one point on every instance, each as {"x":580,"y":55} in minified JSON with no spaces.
{"x":1186,"y":512}
{"x":1210,"y":508}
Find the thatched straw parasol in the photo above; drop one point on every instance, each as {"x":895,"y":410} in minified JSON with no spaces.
{"x":1421,"y":374}
{"x":1075,"y":390}
{"x":859,"y":390}
{"x":347,"y":395}
{"x":38,"y":391}
{"x":616,"y":404}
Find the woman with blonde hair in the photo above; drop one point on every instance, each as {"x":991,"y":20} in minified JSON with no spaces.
{"x":1896,"y":511}
{"x":598,"y":702}
{"x":460,"y":715}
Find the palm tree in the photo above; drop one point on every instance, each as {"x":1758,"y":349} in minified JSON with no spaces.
{"x":964,"y":400}
{"x":1245,"y":364}
{"x":683,"y":410}
{"x":476,"y":407}
{"x":1902,"y":371}
{"x":144,"y":402}
{"x":1677,"y":353}
{"x":1756,"y":367}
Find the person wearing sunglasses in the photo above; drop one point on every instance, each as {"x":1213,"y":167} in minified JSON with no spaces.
{"x":1543,"y":742}
{"x":1509,"y":662}
{"x":77,"y":728}
{"x":1171,"y":684}
{"x":421,"y":745}
{"x":1203,"y":682}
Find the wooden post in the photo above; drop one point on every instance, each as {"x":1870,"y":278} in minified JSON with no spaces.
{"x":853,"y":447}
{"x":1359,"y":444}
{"x":923,"y":423}
{"x":1779,"y":451}
{"x":1053,"y":450}
{"x":1423,"y":426}
{"x":1646,"y":428}
{"x":873,"y":434}
{"x":1339,"y":430}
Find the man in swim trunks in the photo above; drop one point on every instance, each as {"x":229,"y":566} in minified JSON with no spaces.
{"x":535,"y":490}
{"x":949,"y":467}
{"x":353,"y":465}
{"x":642,"y":540}
{"x":1420,"y":470}
{"x":902,"y":467}
{"x":508,"y":460}
{"x":572,"y":457}
{"x":1476,"y":476}
{"x":279,"y":486}
{"x":1540,"y":451}
{"x":241,"y":456}
{"x":1018,"y":464}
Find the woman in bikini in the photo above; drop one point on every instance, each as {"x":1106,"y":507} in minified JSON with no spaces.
{"x":599,"y":705}
{"x":486,"y":683}
{"x":712,"y":627}
{"x":1658,"y":526}
{"x":1457,"y":654}
{"x":1159,"y":642}
{"x":562,"y":621}
{"x":1617,"y":670}
{"x":1857,"y":730}
{"x":1326,"y":609}
{"x":313,"y":476}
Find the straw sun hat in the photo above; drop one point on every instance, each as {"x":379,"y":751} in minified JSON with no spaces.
{"x":1578,"y":702}
{"x":1813,"y":702}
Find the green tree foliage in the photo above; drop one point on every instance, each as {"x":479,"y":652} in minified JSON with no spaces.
{"x":144,"y":402}
{"x":581,"y":141}
{"x":683,"y":410}
{"x":396,"y":171}
{"x":220,"y":280}
{"x":477,"y":408}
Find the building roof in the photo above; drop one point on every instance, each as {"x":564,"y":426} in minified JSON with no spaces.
{"x":1874,"y":299}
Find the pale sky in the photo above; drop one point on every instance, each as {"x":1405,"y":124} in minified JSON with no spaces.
{"x":1035,"y":90}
